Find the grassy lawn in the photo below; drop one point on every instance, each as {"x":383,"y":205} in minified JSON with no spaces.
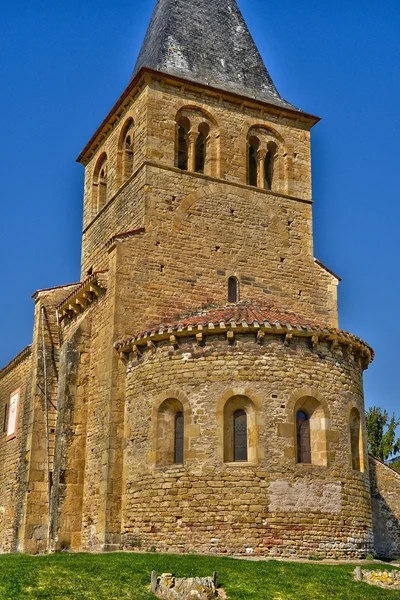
{"x":127,"y":576}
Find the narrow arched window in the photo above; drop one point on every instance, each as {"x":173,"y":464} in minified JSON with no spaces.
{"x":233,"y":289}
{"x":355,"y":425}
{"x":252,"y":161}
{"x":269,"y":166}
{"x":128,"y":157}
{"x":239,"y":436}
{"x":303,"y":437}
{"x":182,"y":160}
{"x":102,"y":188}
{"x":179,"y":431}
{"x":201,"y":142}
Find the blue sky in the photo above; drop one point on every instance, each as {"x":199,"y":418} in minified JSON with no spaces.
{"x":64,"y":64}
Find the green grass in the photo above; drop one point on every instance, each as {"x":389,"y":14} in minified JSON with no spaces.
{"x":127,"y":576}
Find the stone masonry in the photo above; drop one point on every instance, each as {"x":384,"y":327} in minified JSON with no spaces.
{"x":200,"y":305}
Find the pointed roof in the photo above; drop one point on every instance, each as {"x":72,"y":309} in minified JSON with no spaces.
{"x":207,"y":41}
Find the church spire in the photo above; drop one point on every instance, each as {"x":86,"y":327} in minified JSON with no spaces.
{"x":207,"y":41}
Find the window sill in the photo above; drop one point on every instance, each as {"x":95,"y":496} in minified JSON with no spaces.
{"x":239,"y":464}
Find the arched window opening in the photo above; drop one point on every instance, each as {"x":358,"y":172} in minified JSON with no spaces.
{"x":183,"y":144}
{"x":233,"y":289}
{"x":179,"y":432}
{"x":128,"y":157}
{"x":240,"y":430}
{"x":201,"y":142}
{"x":102,"y":188}
{"x":170,"y":441}
{"x":269,"y":166}
{"x":355,"y":438}
{"x":252,"y":161}
{"x":239,"y":436}
{"x":303,"y":437}
{"x":99,"y":188}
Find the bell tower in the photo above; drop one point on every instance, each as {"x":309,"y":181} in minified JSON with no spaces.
{"x":203,"y":156}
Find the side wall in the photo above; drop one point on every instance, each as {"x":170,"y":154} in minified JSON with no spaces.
{"x":385,"y":496}
{"x":12,"y":451}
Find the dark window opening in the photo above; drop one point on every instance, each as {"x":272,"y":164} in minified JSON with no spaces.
{"x":179,"y":430}
{"x":233,"y":289}
{"x":252,"y":161}
{"x":183,"y":144}
{"x":269,"y":166}
{"x":200,"y":158}
{"x":240,"y":436}
{"x":303,"y":438}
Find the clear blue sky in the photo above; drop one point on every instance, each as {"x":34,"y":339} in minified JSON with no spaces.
{"x":64,"y":64}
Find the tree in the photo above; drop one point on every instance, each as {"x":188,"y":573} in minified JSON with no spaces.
{"x":381,"y":433}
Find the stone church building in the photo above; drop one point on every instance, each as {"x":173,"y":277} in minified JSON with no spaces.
{"x":193,"y":393}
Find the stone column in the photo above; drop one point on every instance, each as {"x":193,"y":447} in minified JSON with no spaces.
{"x":192,"y":138}
{"x":260,"y":156}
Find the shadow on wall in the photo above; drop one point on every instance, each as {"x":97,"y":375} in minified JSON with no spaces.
{"x":385,"y":499}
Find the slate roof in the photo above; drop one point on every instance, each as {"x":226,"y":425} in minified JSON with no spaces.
{"x":208,"y":42}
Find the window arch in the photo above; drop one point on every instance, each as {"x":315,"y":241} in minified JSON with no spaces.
{"x":266,"y":163}
{"x":170,"y":433}
{"x":311,"y":426}
{"x":100,"y":184}
{"x":126,"y":151}
{"x":355,"y":439}
{"x":233,"y":289}
{"x":240,"y":430}
{"x":303,"y":437}
{"x":196,"y":142}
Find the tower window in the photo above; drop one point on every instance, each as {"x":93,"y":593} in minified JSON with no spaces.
{"x":252,"y":161}
{"x":99,"y":192}
{"x":303,"y":437}
{"x":179,"y":434}
{"x":183,"y":144}
{"x":239,"y":436}
{"x":201,"y":141}
{"x":233,"y":289}
{"x":269,"y":166}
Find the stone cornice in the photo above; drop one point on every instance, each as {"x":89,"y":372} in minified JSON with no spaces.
{"x":288,"y":326}
{"x":16,"y":361}
{"x":82,"y":296}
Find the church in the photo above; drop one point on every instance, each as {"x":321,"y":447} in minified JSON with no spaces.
{"x":193,"y":392}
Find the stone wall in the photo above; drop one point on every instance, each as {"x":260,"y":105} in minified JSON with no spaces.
{"x":12,"y":451}
{"x":385,"y":497}
{"x":271,"y":505}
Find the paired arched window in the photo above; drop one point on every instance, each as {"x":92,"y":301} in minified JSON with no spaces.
{"x":194,"y":150}
{"x":99,"y":186}
{"x":262,"y":160}
{"x":170,"y":433}
{"x":303,"y":437}
{"x":355,"y":439}
{"x":233,"y":289}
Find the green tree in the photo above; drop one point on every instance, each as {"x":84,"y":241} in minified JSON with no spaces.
{"x":381,"y":433}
